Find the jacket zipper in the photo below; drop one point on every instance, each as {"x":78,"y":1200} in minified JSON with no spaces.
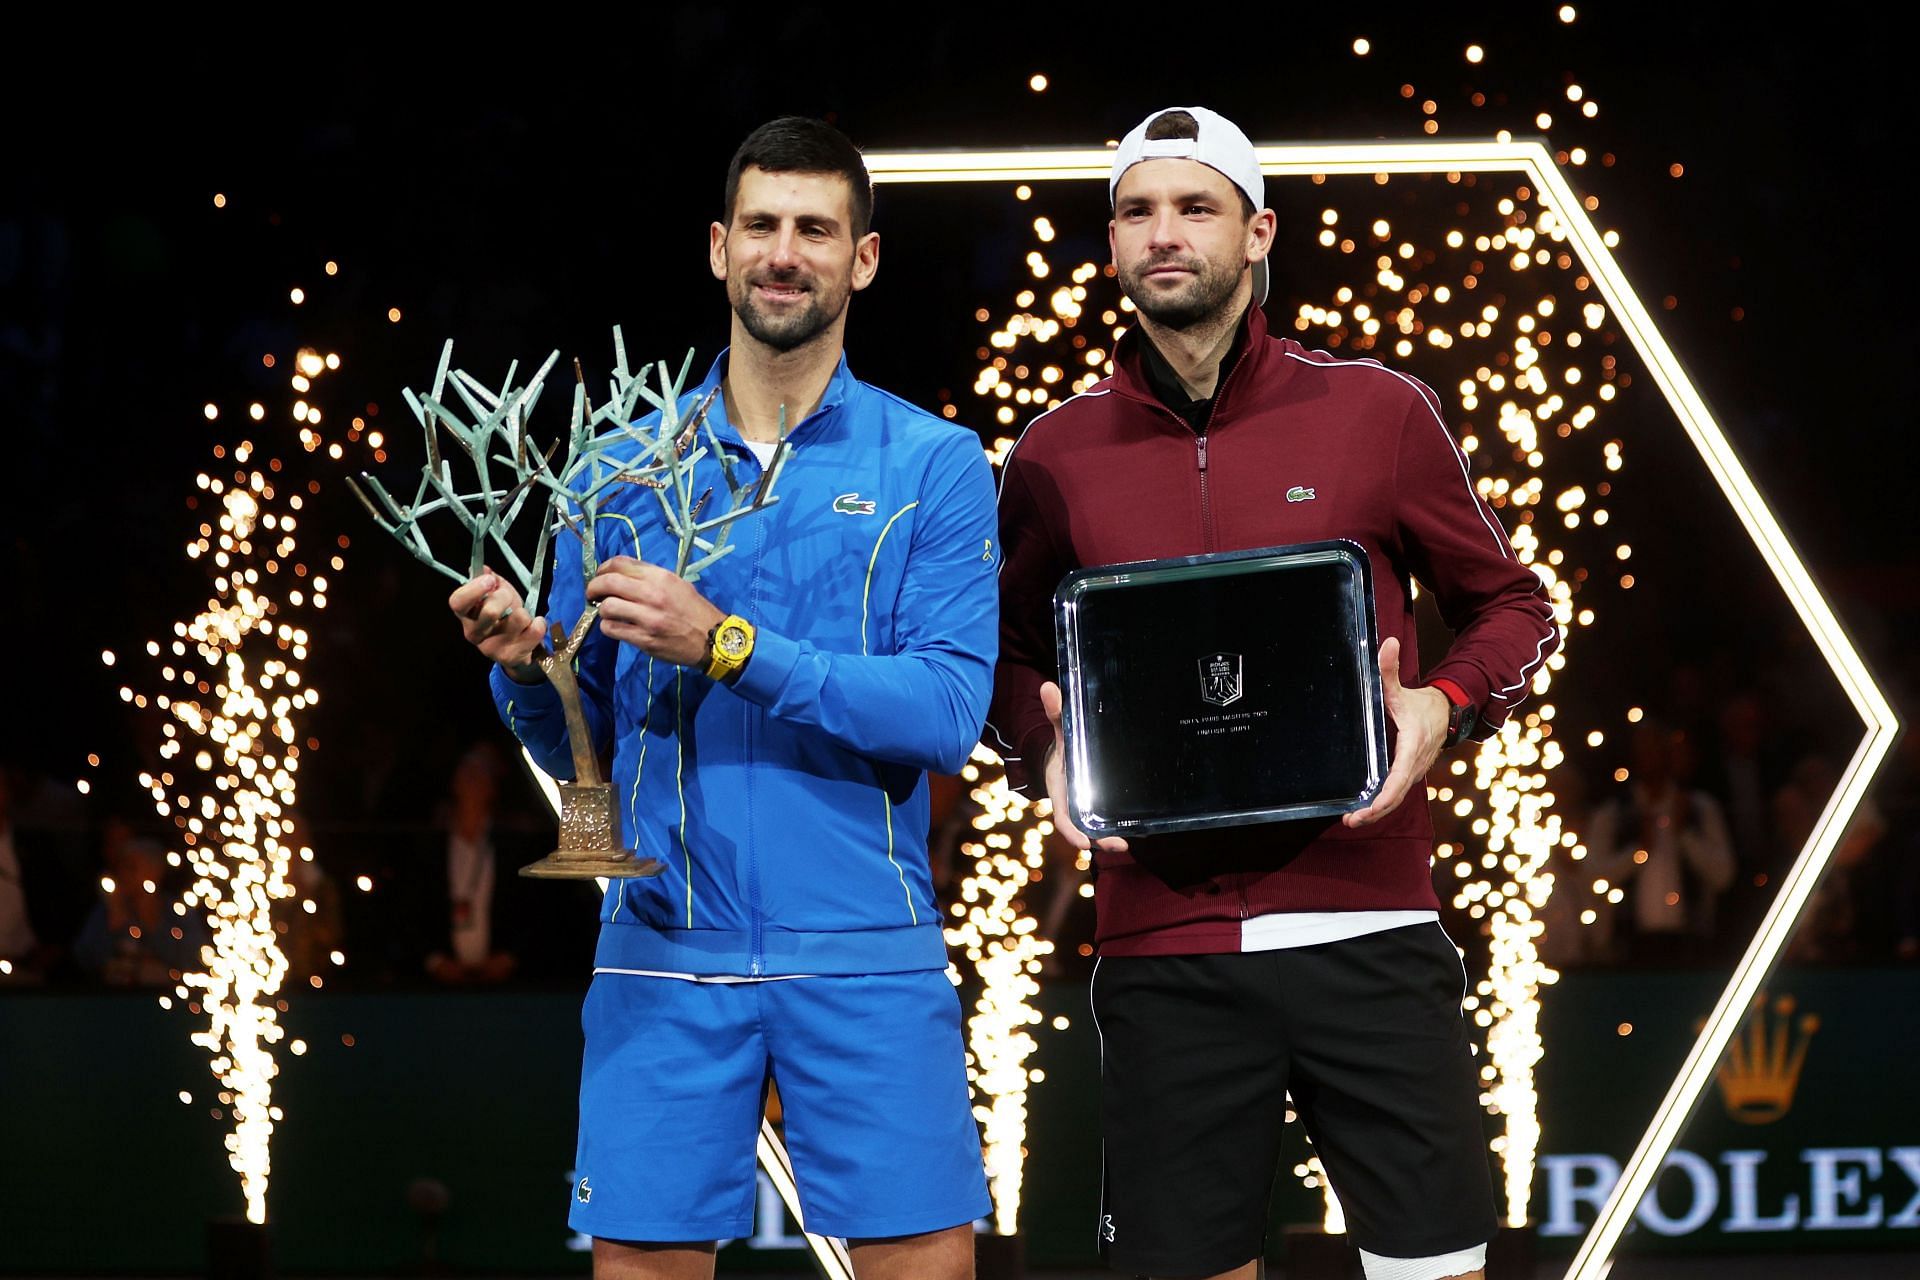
{"x":1207,"y":538}
{"x":754,"y":963}
{"x":1206,"y":515}
{"x":1206,"y":501}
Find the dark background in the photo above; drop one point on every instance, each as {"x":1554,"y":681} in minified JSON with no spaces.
{"x":523,"y":186}
{"x":532,"y":179}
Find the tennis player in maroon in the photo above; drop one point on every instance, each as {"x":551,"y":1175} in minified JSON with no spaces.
{"x":1241,"y":964}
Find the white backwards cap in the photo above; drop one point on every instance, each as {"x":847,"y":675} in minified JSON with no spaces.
{"x":1221,"y":147}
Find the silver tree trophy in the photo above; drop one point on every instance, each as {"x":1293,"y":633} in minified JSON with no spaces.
{"x":604,"y":448}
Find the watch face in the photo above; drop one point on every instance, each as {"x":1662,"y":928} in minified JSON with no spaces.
{"x":732,"y":641}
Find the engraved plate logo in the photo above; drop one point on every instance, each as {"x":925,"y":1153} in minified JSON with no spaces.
{"x":1220,"y":678}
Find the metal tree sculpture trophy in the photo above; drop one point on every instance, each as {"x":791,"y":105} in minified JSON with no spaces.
{"x":605,"y":448}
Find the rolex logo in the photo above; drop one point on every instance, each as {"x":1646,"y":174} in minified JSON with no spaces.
{"x":1762,"y":1067}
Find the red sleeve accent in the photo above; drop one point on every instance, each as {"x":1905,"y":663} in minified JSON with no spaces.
{"x":1455,"y":694}
{"x":1497,"y":607}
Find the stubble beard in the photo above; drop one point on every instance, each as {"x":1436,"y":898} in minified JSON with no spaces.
{"x":1201,"y":300}
{"x":795,"y":328}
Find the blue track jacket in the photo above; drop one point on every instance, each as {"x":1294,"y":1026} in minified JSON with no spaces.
{"x":790,"y":809}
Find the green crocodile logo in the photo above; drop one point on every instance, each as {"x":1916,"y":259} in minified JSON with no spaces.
{"x":852,"y":504}
{"x":1299,"y":493}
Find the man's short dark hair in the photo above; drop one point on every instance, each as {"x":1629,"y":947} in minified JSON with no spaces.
{"x":1181,"y":124}
{"x":796,"y":144}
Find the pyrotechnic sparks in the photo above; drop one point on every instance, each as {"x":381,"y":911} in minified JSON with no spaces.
{"x":994,"y":928}
{"x":1482,"y":306}
{"x":1313,"y":1176}
{"x":232,"y":725}
{"x":1001,"y":942}
{"x":230,"y":746}
{"x":1497,"y":311}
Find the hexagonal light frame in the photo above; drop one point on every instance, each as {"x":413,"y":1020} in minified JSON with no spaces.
{"x":1532,"y":159}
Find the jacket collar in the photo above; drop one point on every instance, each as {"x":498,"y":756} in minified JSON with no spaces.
{"x":841,"y":388}
{"x":1131,"y":377}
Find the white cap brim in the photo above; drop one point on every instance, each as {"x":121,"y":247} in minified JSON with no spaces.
{"x":1221,"y":146}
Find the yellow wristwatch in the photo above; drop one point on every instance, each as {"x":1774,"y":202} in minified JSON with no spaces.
{"x":729,"y":645}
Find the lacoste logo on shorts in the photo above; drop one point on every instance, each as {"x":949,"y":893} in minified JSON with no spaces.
{"x":584,"y":1192}
{"x":1300,"y":493}
{"x":1106,"y":1226}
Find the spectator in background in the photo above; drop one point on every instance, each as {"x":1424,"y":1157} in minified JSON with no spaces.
{"x":18,"y":942}
{"x":1577,"y":923}
{"x":1743,"y":775}
{"x":1689,"y":708}
{"x":471,"y":870}
{"x":1666,"y":847}
{"x":133,"y":936}
{"x":1830,"y":925}
{"x":50,"y":870}
{"x":1898,"y":792}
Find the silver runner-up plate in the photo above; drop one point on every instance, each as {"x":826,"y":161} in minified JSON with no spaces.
{"x":1218,"y":690}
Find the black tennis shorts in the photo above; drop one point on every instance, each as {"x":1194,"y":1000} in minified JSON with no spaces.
{"x":1198,"y":1054}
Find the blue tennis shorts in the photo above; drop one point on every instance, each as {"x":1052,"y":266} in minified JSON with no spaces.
{"x":873,"y":1088}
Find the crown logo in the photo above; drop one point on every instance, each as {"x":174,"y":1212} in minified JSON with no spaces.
{"x":1762,"y":1067}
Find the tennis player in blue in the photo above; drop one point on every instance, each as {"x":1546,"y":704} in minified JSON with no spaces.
{"x":770,"y":732}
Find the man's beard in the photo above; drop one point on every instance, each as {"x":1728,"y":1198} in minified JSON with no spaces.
{"x":793,"y":328}
{"x":1202,"y":299}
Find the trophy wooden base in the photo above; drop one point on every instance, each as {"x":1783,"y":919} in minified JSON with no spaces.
{"x":574,"y":864}
{"x":590,"y":845}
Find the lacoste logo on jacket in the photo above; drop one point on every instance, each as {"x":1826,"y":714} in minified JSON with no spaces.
{"x":852,"y":504}
{"x":1299,"y":493}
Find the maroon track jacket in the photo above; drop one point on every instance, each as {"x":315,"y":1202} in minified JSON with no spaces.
{"x":1113,"y":475}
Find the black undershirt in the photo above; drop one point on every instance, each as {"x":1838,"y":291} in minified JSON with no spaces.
{"x":1165,"y":383}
